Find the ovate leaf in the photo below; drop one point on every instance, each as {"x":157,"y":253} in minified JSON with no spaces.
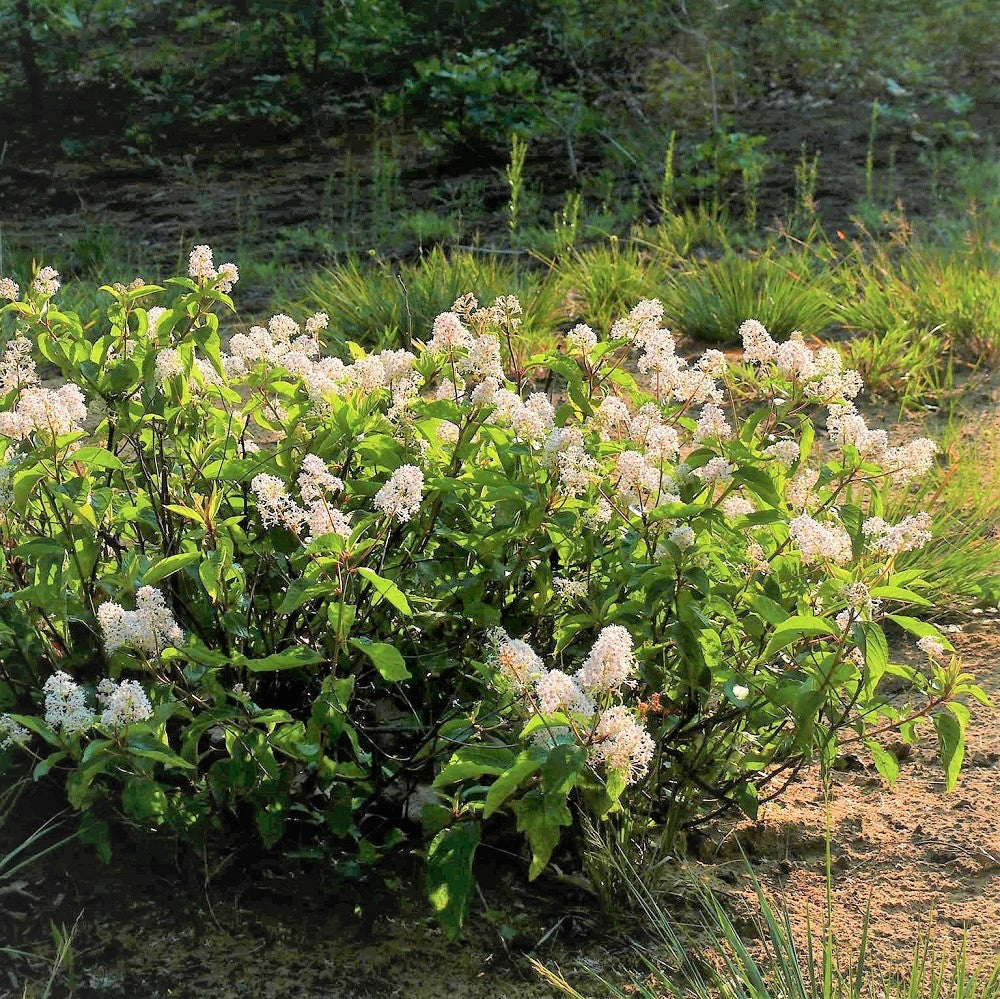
{"x":449,"y":874}
{"x":951,"y":743}
{"x":387,"y":659}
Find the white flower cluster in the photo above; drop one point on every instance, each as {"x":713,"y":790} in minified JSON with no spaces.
{"x":46,"y":281}
{"x":820,"y":372}
{"x":317,"y":486}
{"x":17,"y":366}
{"x":570,"y":589}
{"x":611,"y":661}
{"x":10,"y":291}
{"x":12,"y":733}
{"x":931,"y":647}
{"x":848,"y":428}
{"x":613,"y":735}
{"x":399,"y":499}
{"x":893,"y":539}
{"x":622,"y":744}
{"x":122,"y":703}
{"x":150,"y":628}
{"x":48,"y":412}
{"x":820,"y":542}
{"x":66,"y":705}
{"x":515,"y":660}
{"x":202,"y":268}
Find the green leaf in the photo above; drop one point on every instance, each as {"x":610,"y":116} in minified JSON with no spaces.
{"x":450,"y":883}
{"x":876,"y":650}
{"x":800,"y":626}
{"x":146,"y":746}
{"x":387,"y":659}
{"x":295,"y":658}
{"x":748,"y":800}
{"x":472,"y":762}
{"x":387,"y":589}
{"x":900,"y":593}
{"x":919,"y":628}
{"x":97,"y":833}
{"x":527,"y":764}
{"x":564,"y":765}
{"x":44,"y":766}
{"x":96,"y":457}
{"x":540,"y":816}
{"x":168,"y":566}
{"x":885,"y":762}
{"x":951,"y":743}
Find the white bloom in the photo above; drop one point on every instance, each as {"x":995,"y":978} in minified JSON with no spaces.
{"x":316,"y":480}
{"x":621,"y":744}
{"x":12,"y":733}
{"x":582,"y":339}
{"x":715,"y":470}
{"x":893,"y":539}
{"x":712,"y":425}
{"x":149,"y":628}
{"x":736,"y":506}
{"x":740,"y":692}
{"x":228,"y":275}
{"x":50,"y":412}
{"x":17,"y":366}
{"x":556,"y":691}
{"x":611,"y":661}
{"x":570,"y":589}
{"x":820,"y":542}
{"x":400,"y":497}
{"x":516,"y":661}
{"x":482,"y":362}
{"x":46,"y":281}
{"x":784,"y":451}
{"x":9,"y":290}
{"x":200,"y":265}
{"x":682,"y":536}
{"x":123,"y":703}
{"x":316,"y":322}
{"x":66,"y":704}
{"x":274,"y":504}
{"x":758,"y":347}
{"x":449,"y":335}
{"x":931,"y":646}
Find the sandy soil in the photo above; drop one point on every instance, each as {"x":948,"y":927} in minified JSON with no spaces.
{"x":919,"y":858}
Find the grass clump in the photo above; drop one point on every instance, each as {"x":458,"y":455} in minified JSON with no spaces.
{"x":392,"y":303}
{"x":706,"y":302}
{"x":603,"y":282}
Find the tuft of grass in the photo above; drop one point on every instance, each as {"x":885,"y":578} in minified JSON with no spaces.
{"x":710,"y":302}
{"x":703,"y":227}
{"x":901,"y":363}
{"x":604,"y":282}
{"x":376,"y":303}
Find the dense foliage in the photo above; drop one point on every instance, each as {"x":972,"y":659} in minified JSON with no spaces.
{"x":278,"y":583}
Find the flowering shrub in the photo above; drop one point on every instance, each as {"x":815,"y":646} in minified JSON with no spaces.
{"x":268,"y":582}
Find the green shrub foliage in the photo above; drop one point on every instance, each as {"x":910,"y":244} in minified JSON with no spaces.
{"x":256,"y":579}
